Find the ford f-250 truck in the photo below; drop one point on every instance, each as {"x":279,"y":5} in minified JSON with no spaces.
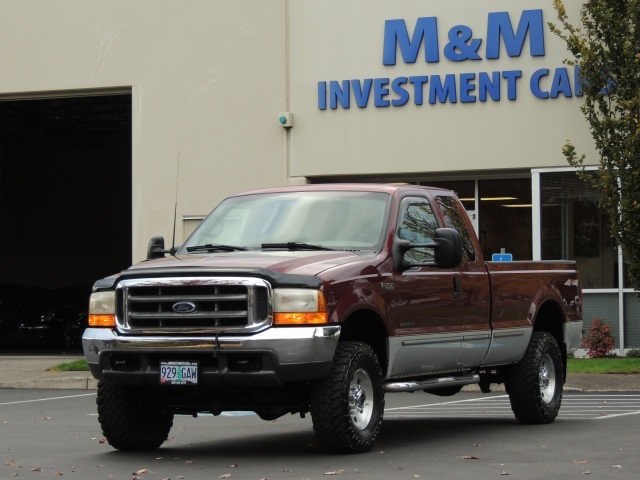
{"x":322,"y":299}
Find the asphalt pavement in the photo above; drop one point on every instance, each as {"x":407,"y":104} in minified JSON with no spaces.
{"x":34,"y":371}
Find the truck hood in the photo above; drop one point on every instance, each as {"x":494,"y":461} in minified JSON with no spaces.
{"x":284,"y":262}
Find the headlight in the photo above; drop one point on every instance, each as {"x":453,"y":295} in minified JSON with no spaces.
{"x":298,"y":306}
{"x":102,"y":309}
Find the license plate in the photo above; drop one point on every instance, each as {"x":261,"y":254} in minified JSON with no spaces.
{"x":179,"y":373}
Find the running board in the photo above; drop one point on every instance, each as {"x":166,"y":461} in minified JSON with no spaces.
{"x":431,"y":384}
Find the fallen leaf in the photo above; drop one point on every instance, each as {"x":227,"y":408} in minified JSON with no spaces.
{"x":468,"y":457}
{"x":337,"y":472}
{"x":505,"y":473}
{"x":586,"y":472}
{"x":581,"y":461}
{"x":36,"y":470}
{"x":617,"y":466}
{"x":59,"y":474}
{"x":233,"y":465}
{"x":226,"y":475}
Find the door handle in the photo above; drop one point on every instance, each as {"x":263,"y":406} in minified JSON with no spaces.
{"x":457,"y":290}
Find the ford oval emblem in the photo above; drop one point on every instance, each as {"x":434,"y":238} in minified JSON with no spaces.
{"x":184,"y":307}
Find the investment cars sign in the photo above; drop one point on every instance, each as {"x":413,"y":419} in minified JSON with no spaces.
{"x":463,"y":45}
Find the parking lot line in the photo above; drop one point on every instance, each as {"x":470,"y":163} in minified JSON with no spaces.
{"x":47,"y":399}
{"x":574,"y":406}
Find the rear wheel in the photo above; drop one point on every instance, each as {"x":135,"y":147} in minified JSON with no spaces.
{"x":67,"y":335}
{"x":348,"y":405}
{"x":535,"y":383}
{"x":130,"y":420}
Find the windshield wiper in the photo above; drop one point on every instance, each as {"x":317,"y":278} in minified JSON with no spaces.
{"x":215,"y":247}
{"x":295,"y":246}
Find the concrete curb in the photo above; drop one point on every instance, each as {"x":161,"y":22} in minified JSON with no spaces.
{"x":66,"y":383}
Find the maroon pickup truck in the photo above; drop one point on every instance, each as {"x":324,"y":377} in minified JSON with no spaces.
{"x":322,"y":299}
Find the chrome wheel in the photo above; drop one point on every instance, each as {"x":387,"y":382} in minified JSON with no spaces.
{"x":547,"y":379}
{"x":361,"y":399}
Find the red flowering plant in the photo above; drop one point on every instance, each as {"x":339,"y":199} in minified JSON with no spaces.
{"x":599,"y":341}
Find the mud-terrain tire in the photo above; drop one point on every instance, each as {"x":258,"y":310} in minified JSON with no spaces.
{"x":347,"y":406}
{"x":129,"y":420}
{"x":535,"y":383}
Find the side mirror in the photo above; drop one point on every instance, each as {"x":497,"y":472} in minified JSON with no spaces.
{"x":448,"y":248}
{"x":447,"y":245}
{"x":156,"y":248}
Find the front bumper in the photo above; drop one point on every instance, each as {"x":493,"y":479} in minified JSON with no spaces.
{"x":272,"y":357}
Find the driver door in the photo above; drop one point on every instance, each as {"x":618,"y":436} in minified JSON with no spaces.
{"x":424,"y":311}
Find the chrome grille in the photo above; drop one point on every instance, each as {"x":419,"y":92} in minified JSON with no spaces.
{"x":194,"y":304}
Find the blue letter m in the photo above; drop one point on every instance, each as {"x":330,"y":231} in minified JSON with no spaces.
{"x":499,"y":26}
{"x":396,"y":34}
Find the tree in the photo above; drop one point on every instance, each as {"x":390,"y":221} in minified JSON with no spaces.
{"x":606,"y":48}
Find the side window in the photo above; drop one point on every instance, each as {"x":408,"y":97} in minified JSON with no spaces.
{"x":455,"y":220}
{"x":417,"y":225}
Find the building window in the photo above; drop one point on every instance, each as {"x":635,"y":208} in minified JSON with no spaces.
{"x":502,"y":218}
{"x":573,"y":227}
{"x":505,"y":217}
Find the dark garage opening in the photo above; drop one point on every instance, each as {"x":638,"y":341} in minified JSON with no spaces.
{"x":65,"y":201}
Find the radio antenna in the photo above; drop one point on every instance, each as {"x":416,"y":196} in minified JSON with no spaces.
{"x":175,"y":211}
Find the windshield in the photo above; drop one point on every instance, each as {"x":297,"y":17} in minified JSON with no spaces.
{"x":330,"y":219}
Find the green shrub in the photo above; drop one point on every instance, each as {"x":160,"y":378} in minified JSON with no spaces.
{"x":599,"y":341}
{"x":634,"y":353}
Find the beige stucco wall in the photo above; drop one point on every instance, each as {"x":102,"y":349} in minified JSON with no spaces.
{"x":207,"y":81}
{"x":209,"y":77}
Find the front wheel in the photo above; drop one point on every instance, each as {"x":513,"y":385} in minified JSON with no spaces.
{"x":535,"y":383}
{"x":131,"y":420}
{"x":348,"y":405}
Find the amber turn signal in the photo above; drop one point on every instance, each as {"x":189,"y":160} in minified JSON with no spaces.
{"x":104,"y":320}
{"x":300,"y":318}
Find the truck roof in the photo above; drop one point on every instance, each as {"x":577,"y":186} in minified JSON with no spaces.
{"x":389,"y":188}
